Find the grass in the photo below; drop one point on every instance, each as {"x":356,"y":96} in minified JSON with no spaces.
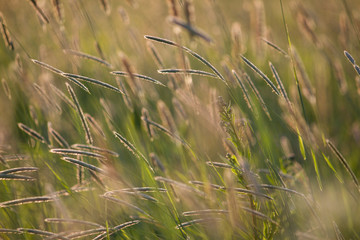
{"x":150,"y":129}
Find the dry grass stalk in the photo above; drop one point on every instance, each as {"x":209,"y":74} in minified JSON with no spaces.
{"x":343,"y":162}
{"x":166,"y":116}
{"x":179,"y":109}
{"x":279,"y":82}
{"x":58,"y":10}
{"x":75,"y":152}
{"x":79,"y":110}
{"x":194,"y":54}
{"x":62,"y":96}
{"x":172,"y":8}
{"x":39,"y":11}
{"x":132,"y":149}
{"x":167,"y":132}
{"x":277,"y":48}
{"x":145,"y":116}
{"x":261,"y":74}
{"x":5,"y":33}
{"x":84,"y":164}
{"x":219,"y":164}
{"x":257,"y":94}
{"x":237,"y":38}
{"x":95,"y":125}
{"x":31,"y":132}
{"x":93,"y":81}
{"x":99,"y":50}
{"x":244,"y":90}
{"x":306,"y":23}
{"x":42,"y":233}
{"x":122,"y":202}
{"x":126,"y":97}
{"x":6,"y":88}
{"x":58,"y":138}
{"x":189,"y":10}
{"x":197,"y":221}
{"x":187,"y":71}
{"x":179,"y":184}
{"x":105,"y":6}
{"x":193,"y":31}
{"x":5,"y":230}
{"x":59,"y":72}
{"x":337,"y":231}
{"x":260,"y":26}
{"x":47,"y":99}
{"x":156,"y":162}
{"x":71,"y":221}
{"x":86,"y":233}
{"x":94,"y":148}
{"x":19,"y":169}
{"x":306,"y":86}
{"x":87,"y":56}
{"x":133,"y":83}
{"x":124,"y":15}
{"x":149,"y":79}
{"x":15,"y":177}
{"x":340,"y":76}
{"x":116,"y":229}
{"x":28,"y":200}
{"x":344,"y":30}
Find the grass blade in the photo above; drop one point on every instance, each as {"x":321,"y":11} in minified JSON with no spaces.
{"x":261,"y":74}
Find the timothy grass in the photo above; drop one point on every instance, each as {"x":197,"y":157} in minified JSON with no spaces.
{"x":120,"y":131}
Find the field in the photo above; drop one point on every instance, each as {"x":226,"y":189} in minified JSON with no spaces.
{"x":180,"y":119}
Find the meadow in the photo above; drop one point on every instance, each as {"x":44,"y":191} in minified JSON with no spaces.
{"x":180,"y":119}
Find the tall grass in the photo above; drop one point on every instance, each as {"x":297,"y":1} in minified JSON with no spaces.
{"x":191,"y":142}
